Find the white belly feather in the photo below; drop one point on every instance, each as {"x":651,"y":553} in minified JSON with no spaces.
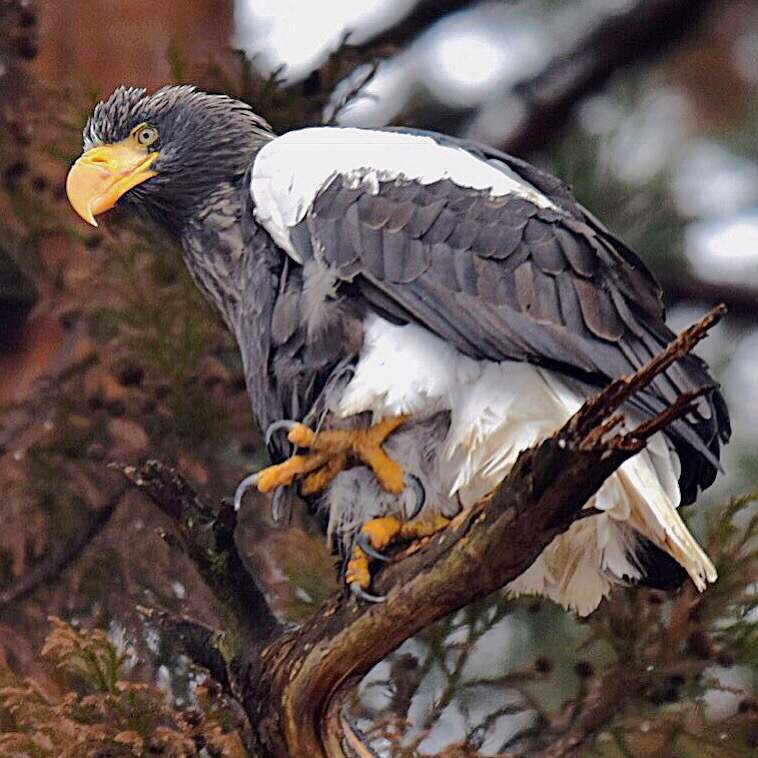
{"x":499,"y":409}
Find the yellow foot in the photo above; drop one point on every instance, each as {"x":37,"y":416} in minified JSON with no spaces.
{"x":375,"y":536}
{"x":331,"y":451}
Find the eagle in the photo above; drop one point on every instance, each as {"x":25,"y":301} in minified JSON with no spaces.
{"x":413,"y":311}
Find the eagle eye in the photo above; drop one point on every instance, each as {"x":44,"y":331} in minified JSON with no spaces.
{"x":144,"y":135}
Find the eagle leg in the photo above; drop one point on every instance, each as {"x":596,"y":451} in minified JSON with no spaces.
{"x":293,"y":468}
{"x":330,"y":452}
{"x":378,"y":534}
{"x":318,"y":480}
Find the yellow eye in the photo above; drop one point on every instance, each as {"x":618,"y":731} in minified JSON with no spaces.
{"x":145,"y":135}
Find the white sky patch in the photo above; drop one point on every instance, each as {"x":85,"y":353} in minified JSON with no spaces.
{"x":179,"y":589}
{"x":722,"y":702}
{"x":725,"y":249}
{"x":470,"y":63}
{"x":384,"y":96}
{"x":650,"y":136}
{"x":449,"y":723}
{"x":600,"y":115}
{"x":711,"y":180}
{"x":502,"y":116}
{"x":300,"y":32}
{"x":469,"y":57}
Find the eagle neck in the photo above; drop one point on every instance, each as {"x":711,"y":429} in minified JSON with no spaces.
{"x":213,"y":250}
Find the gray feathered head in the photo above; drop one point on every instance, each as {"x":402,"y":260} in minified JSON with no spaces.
{"x":161,"y":155}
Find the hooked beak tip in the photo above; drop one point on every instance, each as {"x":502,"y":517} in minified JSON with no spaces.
{"x":82,"y":190}
{"x":102,"y":175}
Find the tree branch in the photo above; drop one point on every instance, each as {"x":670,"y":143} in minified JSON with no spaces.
{"x":199,"y":642}
{"x":52,"y":567}
{"x":390,"y":40}
{"x":292,"y":689}
{"x":740,"y":299}
{"x":537,"y":109}
{"x":208,"y":536}
{"x":305,"y":673}
{"x":628,"y":681}
{"x":316,"y":91}
{"x":608,"y":695}
{"x":545,"y":103}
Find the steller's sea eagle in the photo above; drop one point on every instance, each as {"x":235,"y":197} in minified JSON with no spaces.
{"x":430,"y":307}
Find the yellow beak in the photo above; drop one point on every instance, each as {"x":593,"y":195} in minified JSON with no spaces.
{"x":103,"y":174}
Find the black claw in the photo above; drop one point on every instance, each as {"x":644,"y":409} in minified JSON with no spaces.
{"x":276,"y":503}
{"x":420,"y":492}
{"x":242,"y":488}
{"x":362,"y":541}
{"x":276,"y":426}
{"x":358,"y":591}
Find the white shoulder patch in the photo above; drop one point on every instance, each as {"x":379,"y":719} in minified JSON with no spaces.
{"x":291,"y":170}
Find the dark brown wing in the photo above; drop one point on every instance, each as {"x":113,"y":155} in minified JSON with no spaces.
{"x":503,"y":279}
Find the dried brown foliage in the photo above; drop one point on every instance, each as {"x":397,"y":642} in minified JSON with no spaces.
{"x":95,"y":711}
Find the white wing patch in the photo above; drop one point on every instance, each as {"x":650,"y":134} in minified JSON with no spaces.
{"x":498,"y":410}
{"x":291,"y":170}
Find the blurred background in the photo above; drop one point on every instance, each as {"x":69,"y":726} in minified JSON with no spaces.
{"x":648,"y":109}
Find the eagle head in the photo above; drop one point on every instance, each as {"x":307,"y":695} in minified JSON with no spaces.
{"x":160,"y":155}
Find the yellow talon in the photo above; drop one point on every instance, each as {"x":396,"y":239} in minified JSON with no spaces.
{"x":425,"y":525}
{"x":379,"y":533}
{"x":358,"y":569}
{"x":330,"y":453}
{"x":317,"y":481}
{"x":301,"y":435}
{"x":285,"y":473}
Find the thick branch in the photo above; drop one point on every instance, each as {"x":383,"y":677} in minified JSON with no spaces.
{"x":208,"y":536}
{"x":291,"y":689}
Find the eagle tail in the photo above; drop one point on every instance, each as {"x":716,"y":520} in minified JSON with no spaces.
{"x":654,"y":515}
{"x":639,"y":525}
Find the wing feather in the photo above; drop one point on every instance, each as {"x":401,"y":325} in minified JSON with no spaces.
{"x":507,"y":272}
